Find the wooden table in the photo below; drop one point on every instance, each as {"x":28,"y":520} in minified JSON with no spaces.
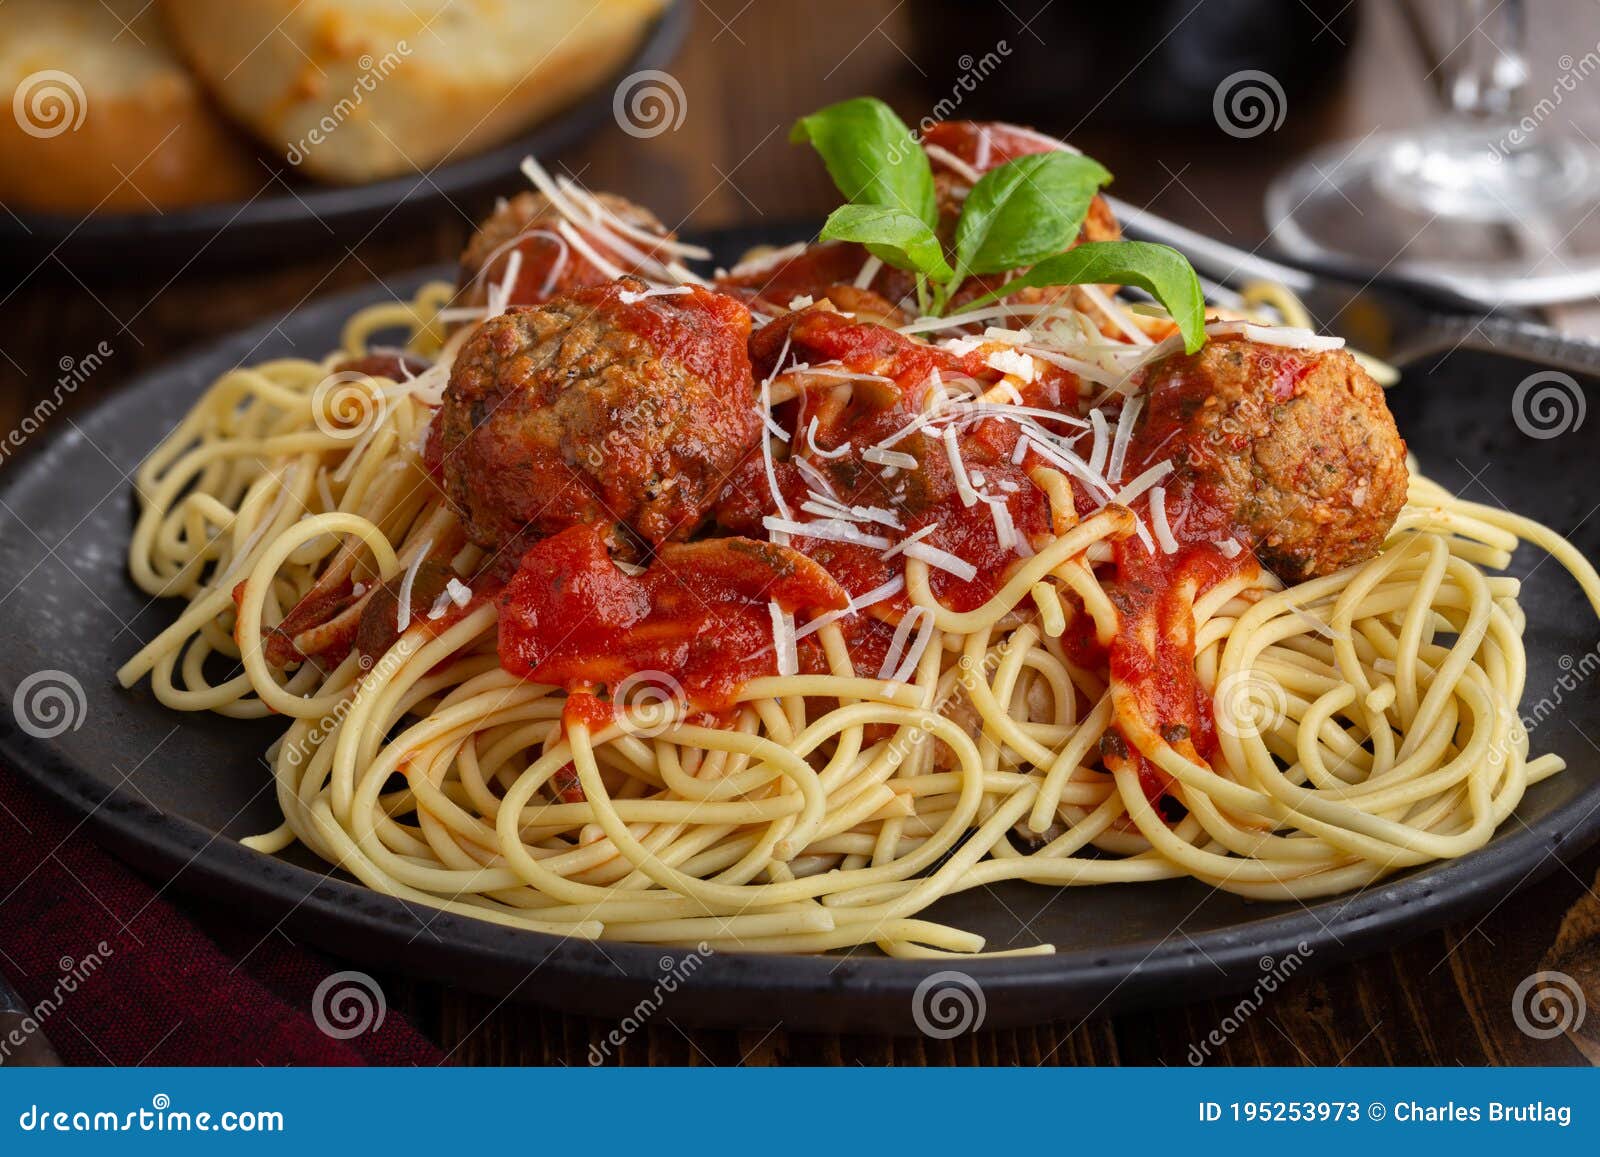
{"x":749,"y":69}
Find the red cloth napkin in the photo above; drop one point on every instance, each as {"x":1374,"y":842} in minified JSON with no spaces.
{"x":164,"y":991}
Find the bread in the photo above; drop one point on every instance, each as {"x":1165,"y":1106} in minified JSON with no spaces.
{"x":353,"y":90}
{"x":106,"y":118}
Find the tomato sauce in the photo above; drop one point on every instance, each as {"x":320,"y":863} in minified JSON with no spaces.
{"x":706,"y":332}
{"x":698,"y":613}
{"x":808,"y":273}
{"x":987,"y":145}
{"x":926,"y":496}
{"x":550,"y":268}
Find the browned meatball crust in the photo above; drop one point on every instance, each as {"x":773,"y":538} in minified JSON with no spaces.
{"x":602,"y":407}
{"x":550,"y":265}
{"x":1299,"y":447}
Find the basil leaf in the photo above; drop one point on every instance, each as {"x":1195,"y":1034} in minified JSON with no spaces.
{"x":1159,"y":270}
{"x":872,"y":156}
{"x":893,"y":236}
{"x":1025,"y":210}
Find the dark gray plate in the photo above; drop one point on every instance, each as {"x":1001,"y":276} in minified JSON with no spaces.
{"x":173,"y":792}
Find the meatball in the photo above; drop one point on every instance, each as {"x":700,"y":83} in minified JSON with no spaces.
{"x":987,"y":145}
{"x":550,"y":265}
{"x":1298,"y":449}
{"x":609,"y":406}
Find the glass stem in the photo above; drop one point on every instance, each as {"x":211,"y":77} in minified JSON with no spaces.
{"x":1488,"y":69}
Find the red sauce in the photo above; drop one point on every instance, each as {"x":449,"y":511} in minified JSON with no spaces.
{"x":925,"y":496}
{"x":808,"y":273}
{"x":433,"y":447}
{"x":707,"y":332}
{"x":699,"y":613}
{"x":1153,"y":653}
{"x":381,"y":362}
{"x":968,"y":140}
{"x":550,"y":268}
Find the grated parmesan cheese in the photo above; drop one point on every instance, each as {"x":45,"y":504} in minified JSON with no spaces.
{"x":784,"y":639}
{"x":1119,"y":445}
{"x":1010,"y":361}
{"x":1158,"y":520}
{"x":828,"y":530}
{"x":901,"y":661}
{"x":403,"y":610}
{"x":941,"y":560}
{"x":1142,"y":483}
{"x":876,"y":595}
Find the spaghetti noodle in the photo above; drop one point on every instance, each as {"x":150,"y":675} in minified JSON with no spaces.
{"x":1358,"y":722}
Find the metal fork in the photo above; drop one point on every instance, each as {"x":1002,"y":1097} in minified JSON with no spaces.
{"x":1402,"y":323}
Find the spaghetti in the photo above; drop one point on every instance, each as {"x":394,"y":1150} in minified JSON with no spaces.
{"x":956,"y":719}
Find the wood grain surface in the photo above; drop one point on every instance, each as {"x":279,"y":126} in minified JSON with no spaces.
{"x":747,"y":71}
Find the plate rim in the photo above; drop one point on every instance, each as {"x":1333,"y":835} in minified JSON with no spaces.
{"x":733,"y":987}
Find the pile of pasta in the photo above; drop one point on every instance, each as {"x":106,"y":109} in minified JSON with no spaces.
{"x":1368,"y":720}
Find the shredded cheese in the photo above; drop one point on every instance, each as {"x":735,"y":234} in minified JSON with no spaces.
{"x":941,"y":560}
{"x":766,"y":444}
{"x":901,"y":660}
{"x":1014,"y":362}
{"x":899,"y":547}
{"x":403,"y":610}
{"x":456,"y":593}
{"x":1158,"y":520}
{"x":1102,"y":440}
{"x":828,"y":530}
{"x":1285,"y":336}
{"x":876,"y":595}
{"x":1142,"y":483}
{"x":838,"y":451}
{"x":953,"y":452}
{"x":629,"y":297}
{"x":894,"y":458}
{"x":952,"y":162}
{"x":1119,"y":445}
{"x":783,"y":640}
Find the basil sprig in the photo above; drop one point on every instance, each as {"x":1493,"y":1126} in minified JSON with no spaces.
{"x":1159,"y":270}
{"x":1024,"y":214}
{"x":1025,"y":210}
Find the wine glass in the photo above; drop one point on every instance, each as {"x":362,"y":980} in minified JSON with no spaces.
{"x":1493,"y":201}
